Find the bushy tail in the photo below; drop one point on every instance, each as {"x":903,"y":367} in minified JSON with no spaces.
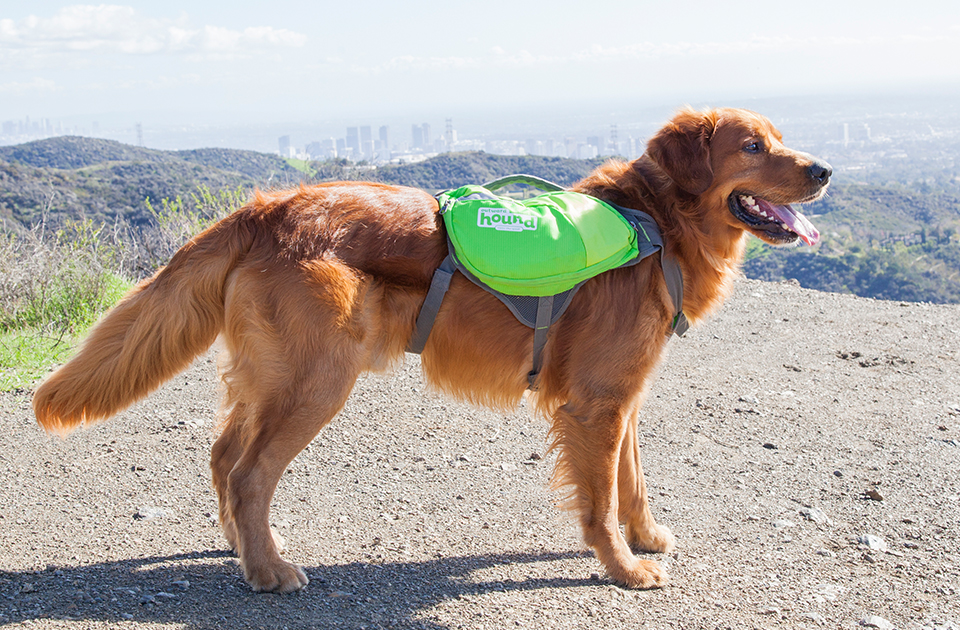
{"x":150,"y":336}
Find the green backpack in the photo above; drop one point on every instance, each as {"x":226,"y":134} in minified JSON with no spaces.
{"x":540,"y":246}
{"x":534,"y":254}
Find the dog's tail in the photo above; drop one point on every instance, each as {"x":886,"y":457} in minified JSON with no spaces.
{"x":151,"y":335}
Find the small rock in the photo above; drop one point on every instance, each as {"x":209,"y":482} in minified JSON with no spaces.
{"x":770,"y":446}
{"x":817,"y":618}
{"x":166,"y":595}
{"x":507,"y":467}
{"x":829,"y":592}
{"x":595,"y":576}
{"x":873,"y":621}
{"x":147,"y":599}
{"x":28,"y":588}
{"x":872,"y":493}
{"x":535,"y":457}
{"x":127,"y":616}
{"x":872,"y":542}
{"x":753,"y":400}
{"x":838,"y":473}
{"x":770,"y":611}
{"x":782,"y":523}
{"x":150,"y":512}
{"x":339,"y":593}
{"x":826,"y":553}
{"x":182,"y":584}
{"x":816,"y":515}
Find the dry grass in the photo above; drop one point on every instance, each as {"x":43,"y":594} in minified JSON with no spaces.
{"x":56,"y":282}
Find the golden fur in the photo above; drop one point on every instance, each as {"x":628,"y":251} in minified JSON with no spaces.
{"x":308,"y":288}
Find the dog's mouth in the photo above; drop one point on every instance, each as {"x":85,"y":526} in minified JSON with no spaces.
{"x":779,"y":224}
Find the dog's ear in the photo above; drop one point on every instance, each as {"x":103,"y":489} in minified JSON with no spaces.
{"x":682,"y":150}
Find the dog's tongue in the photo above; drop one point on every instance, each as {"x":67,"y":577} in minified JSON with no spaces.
{"x":794,"y":221}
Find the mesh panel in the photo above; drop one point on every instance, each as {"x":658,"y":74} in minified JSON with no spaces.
{"x":524,"y":307}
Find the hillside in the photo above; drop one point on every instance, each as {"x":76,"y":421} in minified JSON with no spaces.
{"x":70,"y":177}
{"x":887,"y":242}
{"x":879,"y":240}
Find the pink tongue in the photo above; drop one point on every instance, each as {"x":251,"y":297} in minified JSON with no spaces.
{"x":794,"y":221}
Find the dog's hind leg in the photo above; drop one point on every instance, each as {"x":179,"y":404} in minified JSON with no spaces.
{"x":643,"y":533}
{"x":223,"y":457}
{"x":589,"y":436}
{"x":277,"y":432}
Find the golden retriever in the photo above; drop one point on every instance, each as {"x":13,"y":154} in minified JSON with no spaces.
{"x":311,"y":287}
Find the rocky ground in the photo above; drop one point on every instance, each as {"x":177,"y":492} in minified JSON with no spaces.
{"x":804,"y":448}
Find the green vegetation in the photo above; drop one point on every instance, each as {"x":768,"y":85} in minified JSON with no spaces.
{"x":886,"y":242}
{"x":301,"y":165}
{"x":451,"y":170}
{"x":60,"y":179}
{"x":54,"y":285}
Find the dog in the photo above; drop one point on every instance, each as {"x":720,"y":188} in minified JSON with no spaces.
{"x":310,"y":287}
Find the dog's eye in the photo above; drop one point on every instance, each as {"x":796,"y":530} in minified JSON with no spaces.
{"x":753,"y":147}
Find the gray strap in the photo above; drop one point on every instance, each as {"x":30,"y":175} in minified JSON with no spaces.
{"x":673,"y":276}
{"x":544,"y":312}
{"x":529,"y":180}
{"x":431,"y":305}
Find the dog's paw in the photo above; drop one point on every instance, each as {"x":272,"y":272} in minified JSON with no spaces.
{"x":641,"y":574}
{"x":276,"y":577}
{"x":656,"y":539}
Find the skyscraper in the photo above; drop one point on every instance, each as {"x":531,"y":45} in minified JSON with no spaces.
{"x":366,"y":141}
{"x":353,"y":142}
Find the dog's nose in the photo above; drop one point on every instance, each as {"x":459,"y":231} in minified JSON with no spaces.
{"x":820,"y":171}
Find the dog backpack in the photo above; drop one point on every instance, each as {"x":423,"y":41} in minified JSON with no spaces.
{"x":534,"y":254}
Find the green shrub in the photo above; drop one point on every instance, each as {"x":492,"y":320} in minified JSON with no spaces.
{"x":54,"y":285}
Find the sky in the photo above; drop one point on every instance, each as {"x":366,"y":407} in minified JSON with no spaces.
{"x":174,"y":61}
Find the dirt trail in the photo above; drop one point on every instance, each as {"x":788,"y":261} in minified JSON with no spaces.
{"x":765,"y":436}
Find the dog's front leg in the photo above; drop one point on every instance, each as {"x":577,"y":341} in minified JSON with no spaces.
{"x":643,"y":533}
{"x":589,"y":437}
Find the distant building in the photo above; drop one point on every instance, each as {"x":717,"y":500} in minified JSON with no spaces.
{"x":417,"y":133}
{"x":426,"y":134}
{"x":450,"y":135}
{"x":597,"y":143}
{"x":366,"y":141}
{"x":285,"y":149}
{"x":384,"y":138}
{"x":353,"y":142}
{"x":587,"y":151}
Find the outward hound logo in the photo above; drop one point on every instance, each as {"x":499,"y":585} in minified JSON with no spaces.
{"x":503,"y":219}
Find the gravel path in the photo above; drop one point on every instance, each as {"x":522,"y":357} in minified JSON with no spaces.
{"x":804,"y":448}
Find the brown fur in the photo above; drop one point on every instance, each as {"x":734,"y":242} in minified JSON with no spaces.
{"x":311,"y":287}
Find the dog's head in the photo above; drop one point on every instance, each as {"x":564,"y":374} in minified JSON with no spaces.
{"x":735,"y":161}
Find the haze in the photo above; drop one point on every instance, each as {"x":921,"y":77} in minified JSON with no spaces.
{"x":177,"y":62}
